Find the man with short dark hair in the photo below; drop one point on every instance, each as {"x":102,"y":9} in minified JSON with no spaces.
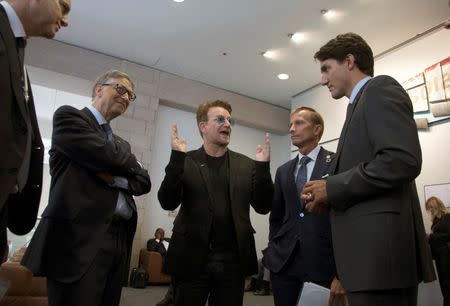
{"x":300,"y":245}
{"x":20,"y":139}
{"x":212,"y":247}
{"x":83,"y":242}
{"x":380,"y":248}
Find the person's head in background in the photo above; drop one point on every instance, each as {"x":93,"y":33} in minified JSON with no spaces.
{"x":159,"y":233}
{"x":435,"y":207}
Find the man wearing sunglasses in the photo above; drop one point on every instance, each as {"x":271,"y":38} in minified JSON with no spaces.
{"x":212,"y":247}
{"x":83,"y":242}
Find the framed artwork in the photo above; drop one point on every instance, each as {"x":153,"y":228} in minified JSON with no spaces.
{"x":434,"y":83}
{"x":415,"y":81}
{"x":445,"y":67}
{"x":419,"y":98}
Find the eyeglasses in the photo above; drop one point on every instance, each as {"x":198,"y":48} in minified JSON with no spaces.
{"x":121,"y":90}
{"x":221,"y":120}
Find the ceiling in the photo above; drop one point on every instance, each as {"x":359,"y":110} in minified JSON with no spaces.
{"x":189,"y":39}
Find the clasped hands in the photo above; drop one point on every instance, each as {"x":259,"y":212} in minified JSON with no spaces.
{"x":315,"y":197}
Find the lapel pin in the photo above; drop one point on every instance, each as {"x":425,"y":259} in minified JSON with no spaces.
{"x":328,"y":158}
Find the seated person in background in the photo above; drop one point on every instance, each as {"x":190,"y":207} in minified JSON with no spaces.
{"x":160,"y":244}
{"x":440,"y":243}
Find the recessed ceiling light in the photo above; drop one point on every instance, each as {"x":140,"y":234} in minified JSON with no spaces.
{"x":179,"y":1}
{"x":270,"y":54}
{"x":297,"y":37}
{"x":328,"y":13}
{"x":283,"y":76}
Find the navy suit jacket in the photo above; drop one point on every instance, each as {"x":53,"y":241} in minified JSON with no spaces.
{"x":287,"y":228}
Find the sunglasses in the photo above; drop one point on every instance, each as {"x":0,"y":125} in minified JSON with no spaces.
{"x":221,"y":120}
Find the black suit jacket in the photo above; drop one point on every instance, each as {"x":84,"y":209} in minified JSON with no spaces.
{"x":287,"y":228}
{"x":81,"y":206}
{"x":155,"y":246}
{"x":17,"y":120}
{"x":187,"y":185}
{"x":378,"y":232}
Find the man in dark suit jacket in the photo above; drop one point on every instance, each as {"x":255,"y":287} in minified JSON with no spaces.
{"x":157,"y":244}
{"x":83,"y":242}
{"x":212,"y":248}
{"x":20,"y":140}
{"x":300,"y":247}
{"x":379,"y":239}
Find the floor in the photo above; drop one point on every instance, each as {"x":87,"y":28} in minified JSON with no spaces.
{"x":151,"y":295}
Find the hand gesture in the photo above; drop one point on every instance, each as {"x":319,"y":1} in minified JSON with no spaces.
{"x":263,"y":154}
{"x":177,"y":144}
{"x":337,"y":294}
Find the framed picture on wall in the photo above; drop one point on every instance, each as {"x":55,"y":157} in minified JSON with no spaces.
{"x":445,"y":67}
{"x":434,"y":83}
{"x":415,"y":81}
{"x":419,"y":98}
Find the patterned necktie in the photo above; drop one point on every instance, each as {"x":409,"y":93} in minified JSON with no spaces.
{"x":107,"y":128}
{"x":302,"y":173}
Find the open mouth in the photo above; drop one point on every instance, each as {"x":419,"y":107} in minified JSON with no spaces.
{"x":225,"y":133}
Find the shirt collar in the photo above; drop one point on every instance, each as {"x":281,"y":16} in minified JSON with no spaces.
{"x":14,"y":20}
{"x":98,"y":116}
{"x":313,"y":154}
{"x":358,"y":87}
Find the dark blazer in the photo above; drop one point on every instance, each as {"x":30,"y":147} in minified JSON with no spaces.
{"x":377,"y":226}
{"x":81,"y":206}
{"x":155,"y":246}
{"x":17,"y":120}
{"x":312,"y":231}
{"x":187,"y":185}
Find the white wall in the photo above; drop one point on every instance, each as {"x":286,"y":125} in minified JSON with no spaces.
{"x":400,"y":64}
{"x":243,"y":140}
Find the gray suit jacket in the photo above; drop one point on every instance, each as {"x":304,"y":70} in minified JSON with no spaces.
{"x":377,"y":226}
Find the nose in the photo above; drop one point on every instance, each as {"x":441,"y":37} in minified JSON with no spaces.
{"x":291,"y":129}
{"x":65,"y":21}
{"x":323,"y":80}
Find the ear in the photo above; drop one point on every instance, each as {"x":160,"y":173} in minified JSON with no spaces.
{"x":98,"y":90}
{"x":202,"y":127}
{"x":350,"y":60}
{"x":317,"y":129}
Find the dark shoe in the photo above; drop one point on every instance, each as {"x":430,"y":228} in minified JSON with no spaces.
{"x":251,"y":286}
{"x":264,"y":289}
{"x":165,"y":302}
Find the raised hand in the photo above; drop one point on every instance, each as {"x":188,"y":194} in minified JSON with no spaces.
{"x":177,"y":143}
{"x":263,"y":154}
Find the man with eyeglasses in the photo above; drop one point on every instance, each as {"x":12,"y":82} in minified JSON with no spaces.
{"x":212,"y":247}
{"x":83,"y":242}
{"x":20,"y":140}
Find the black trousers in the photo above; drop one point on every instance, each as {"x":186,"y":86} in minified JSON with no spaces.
{"x":288,"y":283}
{"x":392,"y":297}
{"x":221,"y":283}
{"x":101,"y":285}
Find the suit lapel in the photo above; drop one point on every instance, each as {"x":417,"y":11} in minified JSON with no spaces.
{"x":291,"y":188}
{"x":15,"y":68}
{"x":200,"y":160}
{"x":319,"y":166}
{"x":345,"y":127}
{"x":94,"y":122}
